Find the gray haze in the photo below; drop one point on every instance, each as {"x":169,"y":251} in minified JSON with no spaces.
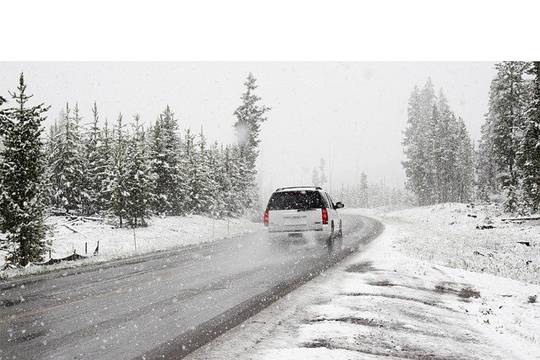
{"x":352,"y":114}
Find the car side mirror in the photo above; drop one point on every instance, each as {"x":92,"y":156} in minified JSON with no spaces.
{"x":339,"y":205}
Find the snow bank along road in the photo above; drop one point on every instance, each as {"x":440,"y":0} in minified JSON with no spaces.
{"x":160,"y":305}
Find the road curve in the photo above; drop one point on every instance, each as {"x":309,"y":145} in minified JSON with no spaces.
{"x":162,"y":305}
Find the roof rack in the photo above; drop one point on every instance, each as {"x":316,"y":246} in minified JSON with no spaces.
{"x":301,"y":187}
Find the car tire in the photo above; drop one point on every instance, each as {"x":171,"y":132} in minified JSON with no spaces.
{"x":332,"y":235}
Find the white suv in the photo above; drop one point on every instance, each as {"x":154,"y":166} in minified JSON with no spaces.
{"x":304,"y":211}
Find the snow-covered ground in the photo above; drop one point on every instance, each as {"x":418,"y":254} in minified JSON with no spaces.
{"x":460,"y":236}
{"x":394,"y":302}
{"x":161,"y":234}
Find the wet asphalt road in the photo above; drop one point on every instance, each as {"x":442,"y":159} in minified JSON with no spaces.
{"x":161,"y":305}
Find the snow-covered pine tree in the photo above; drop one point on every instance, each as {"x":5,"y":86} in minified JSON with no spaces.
{"x":203,"y":185}
{"x":232,"y":197}
{"x":102,"y":168}
{"x":118,"y":186}
{"x":223,"y":179}
{"x":4,"y":126}
{"x":528,"y":156}
{"x":464,"y":165}
{"x":244,"y":183}
{"x":22,"y":168}
{"x":435,"y":151}
{"x":413,"y":149}
{"x":51,"y":150}
{"x":82,"y":162}
{"x":487,"y":186}
{"x":438,"y":150}
{"x":418,"y":145}
{"x":234,"y":164}
{"x":446,"y":142}
{"x":167,"y":168}
{"x":56,"y":164}
{"x":218,"y":174}
{"x":68,"y":165}
{"x":428,"y":114}
{"x":191,"y":173}
{"x":507,"y":107}
{"x":55,"y":146}
{"x":2,"y":101}
{"x":249,"y":117}
{"x":92,"y":181}
{"x":138,"y":180}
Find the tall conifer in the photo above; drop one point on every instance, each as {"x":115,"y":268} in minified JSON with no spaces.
{"x":22,"y":169}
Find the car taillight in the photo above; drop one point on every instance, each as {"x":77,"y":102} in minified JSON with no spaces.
{"x":324,"y":213}
{"x":266,"y":217}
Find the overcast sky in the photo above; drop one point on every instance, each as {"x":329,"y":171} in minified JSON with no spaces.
{"x":352,"y":114}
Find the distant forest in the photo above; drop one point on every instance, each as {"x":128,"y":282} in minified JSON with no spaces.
{"x":441,"y":164}
{"x":360,"y":193}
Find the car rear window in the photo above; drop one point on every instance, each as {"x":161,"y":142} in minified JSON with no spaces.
{"x":295,"y":200}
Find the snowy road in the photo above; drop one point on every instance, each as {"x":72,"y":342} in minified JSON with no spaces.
{"x":160,"y":304}
{"x":383,"y":304}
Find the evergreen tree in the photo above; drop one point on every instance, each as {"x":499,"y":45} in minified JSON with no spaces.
{"x":447,"y":141}
{"x":52,"y":147}
{"x":191,"y":175}
{"x":463,"y":181}
{"x":93,"y":167}
{"x":232,"y":182}
{"x":82,"y":184}
{"x":435,"y":151}
{"x":244,"y":183}
{"x":249,"y":117}
{"x":119,"y":186}
{"x":22,"y":167}
{"x":55,"y":162}
{"x":167,"y":169}
{"x":508,"y":162}
{"x":204,"y":186}
{"x":506,"y":111}
{"x":486,"y":169}
{"x":68,"y":165}
{"x":529,"y":146}
{"x":417,"y":145}
{"x":216,"y":165}
{"x":438,"y":149}
{"x":103,"y":168}
{"x":138,"y":178}
{"x":428,"y":118}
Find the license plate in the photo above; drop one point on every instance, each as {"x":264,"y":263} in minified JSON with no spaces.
{"x":300,"y":220}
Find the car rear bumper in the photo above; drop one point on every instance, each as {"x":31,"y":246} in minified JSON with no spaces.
{"x":319,"y":234}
